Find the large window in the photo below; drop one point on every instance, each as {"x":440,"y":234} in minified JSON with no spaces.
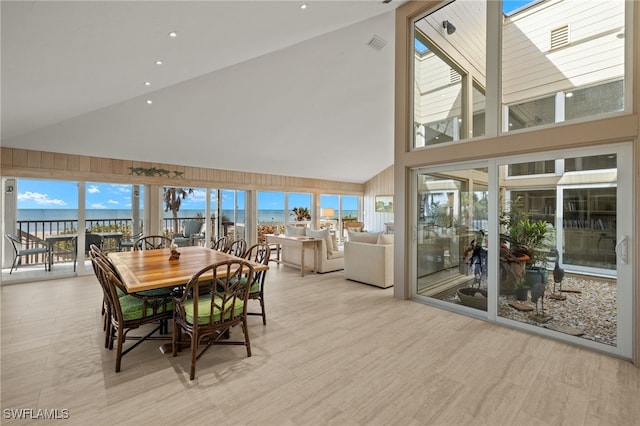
{"x":181,"y":204}
{"x":560,"y":60}
{"x":449,"y":90}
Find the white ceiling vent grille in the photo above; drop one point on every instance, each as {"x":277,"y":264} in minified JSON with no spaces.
{"x":454,"y":76}
{"x":377,"y":43}
{"x":559,"y":37}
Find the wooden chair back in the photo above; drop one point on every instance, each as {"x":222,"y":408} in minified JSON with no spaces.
{"x":152,"y":242}
{"x":214,"y":301}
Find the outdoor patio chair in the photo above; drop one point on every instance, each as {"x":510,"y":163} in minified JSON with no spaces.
{"x":89,"y":239}
{"x":36,"y":249}
{"x":129,"y":242}
{"x":193,"y":230}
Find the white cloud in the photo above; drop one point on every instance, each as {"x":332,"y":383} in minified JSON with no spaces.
{"x":98,"y":206}
{"x":113,"y":202}
{"x":198,"y":195}
{"x":93,"y":189}
{"x":42,"y":199}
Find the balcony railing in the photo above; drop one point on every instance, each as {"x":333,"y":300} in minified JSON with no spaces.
{"x":33,"y":232}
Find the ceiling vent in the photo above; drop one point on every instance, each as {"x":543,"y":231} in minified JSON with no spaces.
{"x":559,"y":37}
{"x":377,"y":43}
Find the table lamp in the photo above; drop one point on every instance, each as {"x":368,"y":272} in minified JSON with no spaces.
{"x":327,"y":213}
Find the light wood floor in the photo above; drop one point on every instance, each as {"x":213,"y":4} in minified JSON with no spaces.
{"x":333,"y":352}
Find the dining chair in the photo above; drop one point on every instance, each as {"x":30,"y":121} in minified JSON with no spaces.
{"x":214,"y":301}
{"x":152,"y":242}
{"x":128,"y":311}
{"x":237,"y":248}
{"x":94,"y":251}
{"x":128,"y":243}
{"x":220,"y":244}
{"x":19,"y":251}
{"x":160,"y":292}
{"x":259,"y":253}
{"x":89,"y":239}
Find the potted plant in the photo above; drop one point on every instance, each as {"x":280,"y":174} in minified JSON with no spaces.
{"x":521,"y":289}
{"x":528,"y":238}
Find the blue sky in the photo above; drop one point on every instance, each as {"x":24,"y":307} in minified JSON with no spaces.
{"x":42,"y":194}
{"x":511,"y":5}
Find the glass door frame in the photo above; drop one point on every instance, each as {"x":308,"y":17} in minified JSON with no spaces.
{"x":624,"y":244}
{"x":413,"y":252}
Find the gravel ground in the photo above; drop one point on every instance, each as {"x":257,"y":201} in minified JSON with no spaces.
{"x":591,"y":312}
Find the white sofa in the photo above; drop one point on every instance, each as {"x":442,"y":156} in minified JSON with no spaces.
{"x":369,"y":262}
{"x":326,"y":260}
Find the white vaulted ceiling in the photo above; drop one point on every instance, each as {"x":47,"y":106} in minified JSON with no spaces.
{"x":259,"y":86}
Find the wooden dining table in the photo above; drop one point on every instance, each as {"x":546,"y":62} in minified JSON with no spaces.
{"x":152,"y":269}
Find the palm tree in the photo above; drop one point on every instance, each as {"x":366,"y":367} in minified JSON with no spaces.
{"x":172,"y":200}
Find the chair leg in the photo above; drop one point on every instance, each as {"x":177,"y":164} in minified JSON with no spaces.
{"x":264,"y":314}
{"x":174,"y":339}
{"x":119,"y":349}
{"x":194,"y":350}
{"x":108,"y":335}
{"x":245,"y":330}
{"x":14,"y":265}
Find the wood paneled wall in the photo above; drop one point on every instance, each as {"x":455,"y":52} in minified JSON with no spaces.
{"x":50,"y":165}
{"x":381,"y":184}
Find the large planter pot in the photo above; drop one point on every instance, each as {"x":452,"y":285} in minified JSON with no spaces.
{"x":474,"y":297}
{"x":535,"y":275}
{"x":521,"y":293}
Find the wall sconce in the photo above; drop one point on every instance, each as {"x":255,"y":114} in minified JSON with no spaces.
{"x":136,"y":193}
{"x":8,"y":189}
{"x":449,"y":27}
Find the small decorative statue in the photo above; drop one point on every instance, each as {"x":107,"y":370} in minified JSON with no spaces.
{"x":175,"y":254}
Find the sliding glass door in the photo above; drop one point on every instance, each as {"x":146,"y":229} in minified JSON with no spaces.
{"x":537,"y":242}
{"x":451,"y":252}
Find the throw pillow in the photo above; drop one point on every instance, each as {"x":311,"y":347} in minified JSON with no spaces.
{"x":334,"y":240}
{"x":296,"y":230}
{"x":385,"y":239}
{"x":323,"y":234}
{"x":364,"y":237}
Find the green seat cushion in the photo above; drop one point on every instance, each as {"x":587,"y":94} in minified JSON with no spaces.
{"x":204,"y":309}
{"x":155,"y":292}
{"x":132,"y":307}
{"x":255,"y":286}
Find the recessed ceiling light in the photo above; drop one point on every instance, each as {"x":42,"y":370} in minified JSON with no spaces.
{"x":568,"y":95}
{"x":303,"y":6}
{"x":147,"y":83}
{"x":149,"y":101}
{"x":173,"y":34}
{"x":158,"y":62}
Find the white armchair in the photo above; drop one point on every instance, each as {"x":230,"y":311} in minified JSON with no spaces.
{"x":370,"y":263}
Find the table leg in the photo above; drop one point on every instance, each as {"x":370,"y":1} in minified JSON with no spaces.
{"x":302,"y":261}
